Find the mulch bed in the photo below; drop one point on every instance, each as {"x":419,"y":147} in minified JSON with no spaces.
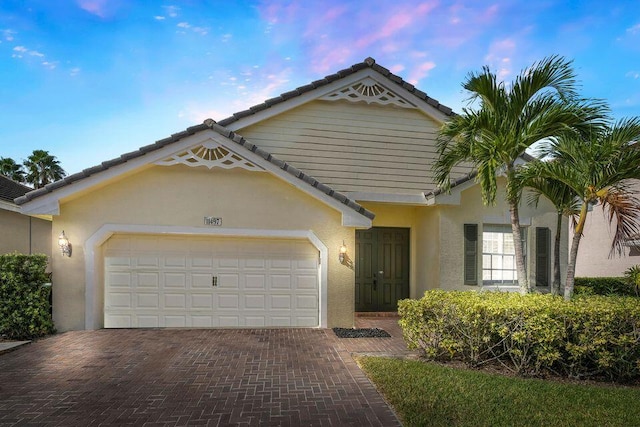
{"x":360,"y":333}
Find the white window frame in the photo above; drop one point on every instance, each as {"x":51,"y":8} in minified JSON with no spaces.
{"x":500,"y":255}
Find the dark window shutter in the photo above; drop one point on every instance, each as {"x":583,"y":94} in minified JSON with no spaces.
{"x":471,"y":254}
{"x":543,"y":256}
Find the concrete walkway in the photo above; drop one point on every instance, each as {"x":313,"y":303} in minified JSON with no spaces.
{"x":171,"y":377}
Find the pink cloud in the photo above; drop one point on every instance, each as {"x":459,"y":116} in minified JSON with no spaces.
{"x":104,"y":9}
{"x":94,"y":7}
{"x":398,"y":21}
{"x":420,"y":71}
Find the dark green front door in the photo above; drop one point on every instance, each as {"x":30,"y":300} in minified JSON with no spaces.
{"x":382,"y":268}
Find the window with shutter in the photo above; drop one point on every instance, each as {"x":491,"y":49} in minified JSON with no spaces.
{"x":471,"y":254}
{"x":543,"y":256}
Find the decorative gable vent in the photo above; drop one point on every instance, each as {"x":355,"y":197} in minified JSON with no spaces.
{"x":209,"y":154}
{"x":369,"y":91}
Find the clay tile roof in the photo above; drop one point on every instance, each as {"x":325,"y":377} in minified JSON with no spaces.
{"x":10,"y":190}
{"x":367,"y":63}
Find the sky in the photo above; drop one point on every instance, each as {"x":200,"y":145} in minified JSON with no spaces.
{"x":89,"y":80}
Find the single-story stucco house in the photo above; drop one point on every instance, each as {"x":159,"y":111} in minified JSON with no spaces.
{"x":594,"y":258}
{"x":18,"y":232}
{"x":298,"y":212}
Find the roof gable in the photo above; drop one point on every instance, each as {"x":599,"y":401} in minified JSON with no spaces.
{"x":193,"y":147}
{"x":365,"y":81}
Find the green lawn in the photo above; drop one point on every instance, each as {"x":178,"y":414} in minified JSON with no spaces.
{"x":426,"y":394}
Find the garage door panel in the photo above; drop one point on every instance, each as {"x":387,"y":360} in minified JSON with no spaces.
{"x":202,"y":301}
{"x":119,"y":300}
{"x":173,"y":300}
{"x":175,"y":321}
{"x":118,"y":321}
{"x":202,"y":263}
{"x":118,"y":262}
{"x":284,"y":264}
{"x":255,"y":281}
{"x":148,"y":300}
{"x":280,"y":282}
{"x":255,"y":301}
{"x":148,"y":321}
{"x":255,"y":263}
{"x":148,"y":280}
{"x":306,"y":282}
{"x":281,"y":302}
{"x":228,"y":281}
{"x":175,"y":262}
{"x":202,"y":321}
{"x":306,"y":302}
{"x":119,"y":279}
{"x":229,"y":321}
{"x":228,"y":302}
{"x":175,"y":280}
{"x":281,"y":321}
{"x":228,"y":263}
{"x":255,"y":321}
{"x":167,"y":282}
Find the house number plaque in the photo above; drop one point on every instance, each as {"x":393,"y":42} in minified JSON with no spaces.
{"x":211,"y":220}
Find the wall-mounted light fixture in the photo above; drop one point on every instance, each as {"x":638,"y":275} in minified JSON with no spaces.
{"x":343,"y":252}
{"x":64,"y":244}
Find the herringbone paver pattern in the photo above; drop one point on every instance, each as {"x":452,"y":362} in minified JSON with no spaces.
{"x":169,"y":377}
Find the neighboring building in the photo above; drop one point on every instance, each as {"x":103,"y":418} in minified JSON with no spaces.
{"x":21,"y":233}
{"x":594,"y":258}
{"x":300,"y":211}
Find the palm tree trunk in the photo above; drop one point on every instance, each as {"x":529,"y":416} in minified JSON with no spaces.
{"x":523,"y":282}
{"x":555,"y":285}
{"x":573,"y":254}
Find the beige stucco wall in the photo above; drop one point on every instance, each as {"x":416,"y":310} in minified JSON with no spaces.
{"x":472,"y":211}
{"x":437,"y":243}
{"x":24,"y":234}
{"x":182,"y":196}
{"x":595,"y":245}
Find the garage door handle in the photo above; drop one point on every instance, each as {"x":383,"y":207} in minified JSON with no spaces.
{"x":214,"y":281}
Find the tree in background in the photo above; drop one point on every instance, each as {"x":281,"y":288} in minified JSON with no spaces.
{"x":12,"y":170}
{"x":42,"y":169}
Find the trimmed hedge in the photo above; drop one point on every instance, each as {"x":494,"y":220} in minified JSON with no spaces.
{"x":25,"y":312}
{"x":603,"y":286}
{"x":528,"y":334}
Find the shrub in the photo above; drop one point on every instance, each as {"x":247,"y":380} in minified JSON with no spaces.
{"x":24,"y":303}
{"x":603,"y":286}
{"x":528,"y":334}
{"x":632,"y":278}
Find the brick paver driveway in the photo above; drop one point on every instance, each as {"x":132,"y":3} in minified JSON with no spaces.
{"x":191,"y":377}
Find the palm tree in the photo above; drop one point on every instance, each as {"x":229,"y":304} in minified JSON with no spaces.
{"x":11,"y":169}
{"x":598,"y":170}
{"x":563,"y":198}
{"x":541,"y":103}
{"x":42,"y":169}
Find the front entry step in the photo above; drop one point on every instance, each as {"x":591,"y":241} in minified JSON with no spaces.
{"x":377,"y":314}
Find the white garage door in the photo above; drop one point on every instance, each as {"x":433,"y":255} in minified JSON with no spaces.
{"x":159,"y":281}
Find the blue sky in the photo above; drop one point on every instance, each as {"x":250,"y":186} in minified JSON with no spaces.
{"x":89,"y":80}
